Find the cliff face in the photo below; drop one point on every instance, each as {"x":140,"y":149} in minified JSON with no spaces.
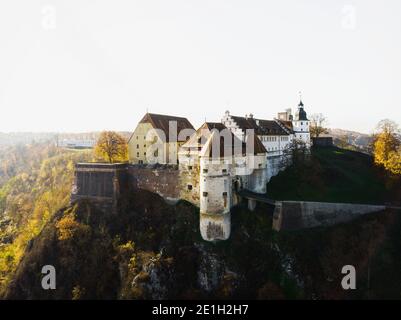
{"x":153,"y":250}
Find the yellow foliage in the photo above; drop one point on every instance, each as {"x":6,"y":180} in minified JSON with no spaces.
{"x":31,"y":199}
{"x":68,"y":227}
{"x":393,"y":164}
{"x":77,"y":292}
{"x":111,"y":147}
{"x":385,"y":144}
{"x":386,"y":147}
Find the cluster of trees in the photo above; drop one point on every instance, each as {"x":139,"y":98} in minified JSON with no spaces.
{"x":387,"y":146}
{"x":38,"y":189}
{"x":21,"y":158}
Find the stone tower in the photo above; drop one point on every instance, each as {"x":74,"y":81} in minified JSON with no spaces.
{"x":215,"y":192}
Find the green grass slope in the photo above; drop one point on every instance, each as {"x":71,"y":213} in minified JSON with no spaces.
{"x":333,"y":175}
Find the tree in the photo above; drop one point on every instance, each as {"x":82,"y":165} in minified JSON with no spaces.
{"x":296,"y":154}
{"x":111,"y":147}
{"x":317,"y":125}
{"x":387,"y":146}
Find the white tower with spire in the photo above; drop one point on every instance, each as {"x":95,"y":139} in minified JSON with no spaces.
{"x":300,"y":123}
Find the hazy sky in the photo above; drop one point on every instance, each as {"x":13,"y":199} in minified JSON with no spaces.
{"x":91,"y":65}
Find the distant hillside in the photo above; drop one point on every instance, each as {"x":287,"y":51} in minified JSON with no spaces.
{"x":359,"y":140}
{"x":14,"y":138}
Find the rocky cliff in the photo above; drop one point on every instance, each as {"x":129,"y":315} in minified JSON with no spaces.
{"x":152,"y":250}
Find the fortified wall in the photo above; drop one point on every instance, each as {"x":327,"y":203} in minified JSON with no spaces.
{"x":160,"y":179}
{"x":297,"y":215}
{"x":100,"y":182}
{"x":104,"y":183}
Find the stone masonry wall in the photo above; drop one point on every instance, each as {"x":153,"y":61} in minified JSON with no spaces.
{"x":294,"y":215}
{"x":163,"y":180}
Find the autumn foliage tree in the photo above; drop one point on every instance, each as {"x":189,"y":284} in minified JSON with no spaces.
{"x":111,"y":147}
{"x":387,"y":146}
{"x":317,"y":124}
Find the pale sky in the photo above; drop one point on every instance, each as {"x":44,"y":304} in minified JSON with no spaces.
{"x":84,"y":65}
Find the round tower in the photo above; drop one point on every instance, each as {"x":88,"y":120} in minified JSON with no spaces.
{"x":215,"y":199}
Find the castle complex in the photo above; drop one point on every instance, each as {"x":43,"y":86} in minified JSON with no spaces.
{"x":219,"y":159}
{"x":208,"y":167}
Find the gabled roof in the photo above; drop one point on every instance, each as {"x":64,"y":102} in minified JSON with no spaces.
{"x":257,"y":144}
{"x":261,"y":127}
{"x":287,"y":125}
{"x":212,"y":134}
{"x":271,"y":127}
{"x":161,"y":121}
{"x":214,"y":125}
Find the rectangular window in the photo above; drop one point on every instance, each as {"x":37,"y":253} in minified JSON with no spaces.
{"x":137,"y":146}
{"x":224,"y":194}
{"x":205,"y":170}
{"x":137,"y":154}
{"x":224,"y":170}
{"x":189,"y":167}
{"x":205,"y":194}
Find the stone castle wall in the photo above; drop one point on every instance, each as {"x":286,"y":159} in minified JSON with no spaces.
{"x":100,"y":182}
{"x":296,"y":215}
{"x":104,"y":183}
{"x":160,"y":179}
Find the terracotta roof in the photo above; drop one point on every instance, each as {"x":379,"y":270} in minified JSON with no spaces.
{"x":161,"y":121}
